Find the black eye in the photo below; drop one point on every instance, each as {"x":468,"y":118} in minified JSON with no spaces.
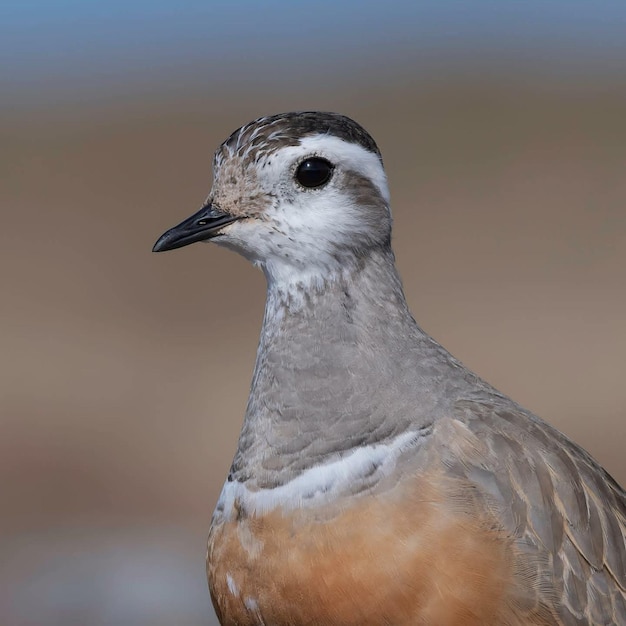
{"x":314,"y":172}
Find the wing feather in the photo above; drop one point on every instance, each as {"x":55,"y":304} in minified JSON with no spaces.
{"x":566,"y":515}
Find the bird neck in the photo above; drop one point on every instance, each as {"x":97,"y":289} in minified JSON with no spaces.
{"x":341,"y":363}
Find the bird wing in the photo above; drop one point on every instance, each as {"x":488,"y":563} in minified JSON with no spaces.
{"x":567,"y":516}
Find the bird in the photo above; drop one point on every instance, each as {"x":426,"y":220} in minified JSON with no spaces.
{"x":377,"y":480}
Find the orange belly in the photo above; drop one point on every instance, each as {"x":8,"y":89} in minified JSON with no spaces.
{"x":403,"y":557}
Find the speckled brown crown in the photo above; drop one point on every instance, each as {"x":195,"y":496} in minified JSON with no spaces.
{"x":268,"y":134}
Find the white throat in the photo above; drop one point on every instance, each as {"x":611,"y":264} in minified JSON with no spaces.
{"x":305,"y":237}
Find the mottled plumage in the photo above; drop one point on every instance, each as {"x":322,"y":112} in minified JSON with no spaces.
{"x":377,"y":480}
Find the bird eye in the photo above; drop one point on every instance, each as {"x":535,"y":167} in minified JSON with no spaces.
{"x":314,"y":172}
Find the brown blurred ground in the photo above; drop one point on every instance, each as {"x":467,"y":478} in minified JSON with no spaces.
{"x":125,"y":374}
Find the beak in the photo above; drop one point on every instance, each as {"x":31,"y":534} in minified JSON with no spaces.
{"x":205,"y":224}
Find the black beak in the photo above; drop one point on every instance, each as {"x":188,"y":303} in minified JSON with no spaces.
{"x":205,"y":224}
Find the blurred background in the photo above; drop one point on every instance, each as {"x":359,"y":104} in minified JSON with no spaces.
{"x":124,"y":375}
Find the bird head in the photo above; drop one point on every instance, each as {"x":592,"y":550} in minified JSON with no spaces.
{"x":298,"y":194}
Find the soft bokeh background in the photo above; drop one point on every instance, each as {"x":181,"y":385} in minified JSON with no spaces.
{"x":124,"y":375}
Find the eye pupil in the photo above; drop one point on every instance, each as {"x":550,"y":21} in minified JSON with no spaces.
{"x":314,"y":172}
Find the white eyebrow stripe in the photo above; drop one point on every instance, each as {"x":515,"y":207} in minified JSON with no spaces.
{"x":351,"y":156}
